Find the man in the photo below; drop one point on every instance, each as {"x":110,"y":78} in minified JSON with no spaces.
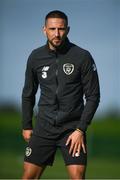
{"x":65,"y":73}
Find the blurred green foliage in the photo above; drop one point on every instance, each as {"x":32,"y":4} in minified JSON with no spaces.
{"x":103,"y":139}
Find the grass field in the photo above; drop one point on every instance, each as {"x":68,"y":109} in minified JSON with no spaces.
{"x":103,"y":150}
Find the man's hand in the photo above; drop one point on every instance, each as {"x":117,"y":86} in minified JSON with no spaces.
{"x":76,"y":142}
{"x":27,"y":134}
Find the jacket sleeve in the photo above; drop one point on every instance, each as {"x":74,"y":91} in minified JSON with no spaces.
{"x":28,"y":94}
{"x":91,"y":91}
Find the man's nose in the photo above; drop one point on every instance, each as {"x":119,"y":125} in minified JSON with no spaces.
{"x":56,"y":32}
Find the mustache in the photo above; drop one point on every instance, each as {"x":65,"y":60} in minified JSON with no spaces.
{"x":57,"y":38}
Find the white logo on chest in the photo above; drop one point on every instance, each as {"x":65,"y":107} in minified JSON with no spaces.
{"x":68,"y":68}
{"x":44,"y":71}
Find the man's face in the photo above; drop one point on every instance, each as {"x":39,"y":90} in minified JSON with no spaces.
{"x":56,"y":31}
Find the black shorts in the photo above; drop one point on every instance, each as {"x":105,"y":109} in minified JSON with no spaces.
{"x":41,"y":151}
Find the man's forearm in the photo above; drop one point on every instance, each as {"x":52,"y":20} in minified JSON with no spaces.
{"x":88,"y":113}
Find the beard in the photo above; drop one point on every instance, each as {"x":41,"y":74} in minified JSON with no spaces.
{"x":56,"y":43}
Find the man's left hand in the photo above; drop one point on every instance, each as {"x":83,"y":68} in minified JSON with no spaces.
{"x":76,"y":142}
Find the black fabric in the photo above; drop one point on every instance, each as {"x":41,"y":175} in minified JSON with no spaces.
{"x":64,"y":76}
{"x":41,"y":150}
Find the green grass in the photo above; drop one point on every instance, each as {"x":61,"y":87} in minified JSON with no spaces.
{"x":10,"y":165}
{"x":103,"y":168}
{"x":103,"y":150}
{"x":11,"y":168}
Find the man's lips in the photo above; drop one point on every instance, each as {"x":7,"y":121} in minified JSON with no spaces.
{"x":57,"y":40}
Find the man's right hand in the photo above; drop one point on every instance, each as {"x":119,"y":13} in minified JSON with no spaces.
{"x":27,"y":134}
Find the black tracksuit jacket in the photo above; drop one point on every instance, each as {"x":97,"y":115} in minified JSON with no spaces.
{"x":64,"y":77}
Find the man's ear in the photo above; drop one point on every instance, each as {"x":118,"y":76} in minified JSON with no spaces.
{"x":68,"y":29}
{"x":44,"y":30}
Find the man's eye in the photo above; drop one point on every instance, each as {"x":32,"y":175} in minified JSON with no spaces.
{"x":63,"y":29}
{"x":59,"y":29}
{"x":52,"y":28}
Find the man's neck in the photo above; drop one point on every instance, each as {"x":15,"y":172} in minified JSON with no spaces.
{"x":61,"y":49}
{"x":51,"y":47}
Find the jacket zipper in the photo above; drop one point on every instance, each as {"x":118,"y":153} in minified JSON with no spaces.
{"x":57,"y":101}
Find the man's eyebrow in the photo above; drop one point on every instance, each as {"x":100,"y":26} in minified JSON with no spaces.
{"x":61,"y":28}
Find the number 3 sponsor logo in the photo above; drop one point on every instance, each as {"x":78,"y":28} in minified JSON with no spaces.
{"x":44,"y":71}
